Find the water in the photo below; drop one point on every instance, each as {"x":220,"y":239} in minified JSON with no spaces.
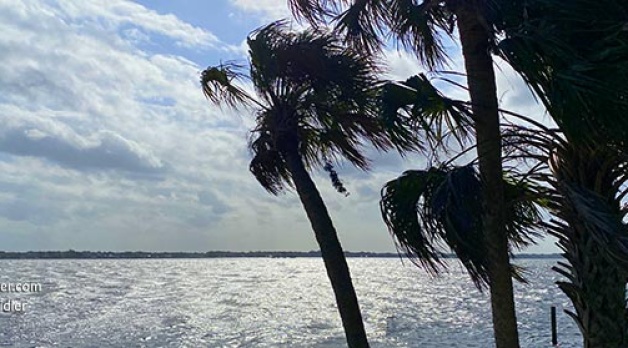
{"x":262,"y":303}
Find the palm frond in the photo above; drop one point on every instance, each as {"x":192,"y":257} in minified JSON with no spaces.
{"x":268,"y":165}
{"x":427,"y":211}
{"x":603,"y":224}
{"x":219,"y":87}
{"x":401,"y":204}
{"x":366,"y":24}
{"x":331,"y":90}
{"x":420,"y":106}
{"x":420,"y":27}
{"x":362,"y":24}
{"x":575,"y":57}
{"x":335,"y":180}
{"x":313,"y":11}
{"x":523,"y":220}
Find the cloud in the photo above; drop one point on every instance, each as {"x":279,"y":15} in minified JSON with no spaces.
{"x":209,"y":198}
{"x":401,"y":64}
{"x":112,"y":16}
{"x":88,"y":110}
{"x":87,"y":98}
{"x":270,"y":10}
{"x":103,"y":150}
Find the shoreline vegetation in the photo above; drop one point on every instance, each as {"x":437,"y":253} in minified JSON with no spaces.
{"x":72,"y":254}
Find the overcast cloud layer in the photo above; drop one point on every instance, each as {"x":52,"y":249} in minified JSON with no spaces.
{"x":106,"y":142}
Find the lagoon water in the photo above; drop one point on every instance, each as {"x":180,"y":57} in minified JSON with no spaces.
{"x":259,"y":302}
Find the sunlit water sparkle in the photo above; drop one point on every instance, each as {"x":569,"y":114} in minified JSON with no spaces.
{"x":259,"y":302}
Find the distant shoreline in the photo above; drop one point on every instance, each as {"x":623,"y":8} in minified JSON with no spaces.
{"x":71,"y":254}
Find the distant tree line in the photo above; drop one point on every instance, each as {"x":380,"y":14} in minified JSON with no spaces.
{"x":73,"y":254}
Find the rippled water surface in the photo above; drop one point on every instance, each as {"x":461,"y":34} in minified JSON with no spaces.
{"x":262,"y":303}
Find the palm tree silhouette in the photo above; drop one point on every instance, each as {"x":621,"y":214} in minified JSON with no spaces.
{"x":575,"y":57}
{"x":315,"y":103}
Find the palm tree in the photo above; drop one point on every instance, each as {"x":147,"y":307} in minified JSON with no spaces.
{"x":421,"y":27}
{"x":590,"y":231}
{"x":583,"y":185}
{"x":315,"y":103}
{"x":575,"y":57}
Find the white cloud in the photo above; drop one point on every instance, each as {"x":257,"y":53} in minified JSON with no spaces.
{"x":112,"y":15}
{"x":269,"y":9}
{"x":401,"y":64}
{"x":86,"y":112}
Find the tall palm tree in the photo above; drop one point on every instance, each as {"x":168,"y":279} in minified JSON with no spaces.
{"x":315,"y":103}
{"x":421,"y":27}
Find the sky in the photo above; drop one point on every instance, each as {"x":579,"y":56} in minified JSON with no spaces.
{"x":107,"y":143}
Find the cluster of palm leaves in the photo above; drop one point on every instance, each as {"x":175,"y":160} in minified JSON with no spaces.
{"x":319,"y":100}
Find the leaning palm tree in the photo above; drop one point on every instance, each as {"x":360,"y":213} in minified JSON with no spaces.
{"x":423,"y":27}
{"x":315,"y":103}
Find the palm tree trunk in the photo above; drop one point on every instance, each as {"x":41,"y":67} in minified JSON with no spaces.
{"x":474,"y":37}
{"x":595,"y":280}
{"x":597,"y":290}
{"x":331,"y":250}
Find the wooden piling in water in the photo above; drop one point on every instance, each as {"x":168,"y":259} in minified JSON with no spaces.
{"x":553,"y":320}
